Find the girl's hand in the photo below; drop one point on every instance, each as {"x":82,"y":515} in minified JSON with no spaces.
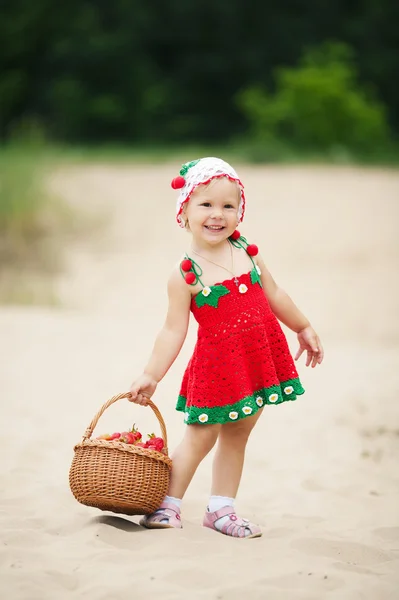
{"x":142,"y":389}
{"x":309,"y":341}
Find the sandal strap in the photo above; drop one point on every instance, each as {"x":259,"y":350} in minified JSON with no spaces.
{"x":235,"y":526}
{"x":169,"y":506}
{"x":167,"y":509}
{"x":223,"y":512}
{"x":161,"y":514}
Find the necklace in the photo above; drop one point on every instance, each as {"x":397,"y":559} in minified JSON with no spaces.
{"x":221,"y":266}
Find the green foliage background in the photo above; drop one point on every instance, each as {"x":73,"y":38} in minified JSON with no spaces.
{"x":130,"y":71}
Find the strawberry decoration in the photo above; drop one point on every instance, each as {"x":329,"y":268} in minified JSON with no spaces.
{"x":210,"y":296}
{"x":255,"y":276}
{"x":186,"y":265}
{"x":235,"y":235}
{"x":190,"y":278}
{"x":190,"y":271}
{"x":252,"y":249}
{"x":178,"y":182}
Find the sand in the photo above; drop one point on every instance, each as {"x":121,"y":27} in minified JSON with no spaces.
{"x":321,"y":474}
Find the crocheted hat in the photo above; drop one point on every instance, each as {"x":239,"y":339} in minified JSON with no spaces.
{"x":203,"y":170}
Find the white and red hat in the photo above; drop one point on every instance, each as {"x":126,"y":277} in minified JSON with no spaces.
{"x":202,"y":171}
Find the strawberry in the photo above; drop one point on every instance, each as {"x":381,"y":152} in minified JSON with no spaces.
{"x":115,"y":436}
{"x":136,"y":433}
{"x":140,"y":445}
{"x":155,"y":443}
{"x":124,"y":437}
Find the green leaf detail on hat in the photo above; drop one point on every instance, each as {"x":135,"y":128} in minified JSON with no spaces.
{"x":212,"y":299}
{"x":188,"y":166}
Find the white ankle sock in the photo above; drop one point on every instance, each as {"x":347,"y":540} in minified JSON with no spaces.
{"x":172,"y":500}
{"x":218,"y":502}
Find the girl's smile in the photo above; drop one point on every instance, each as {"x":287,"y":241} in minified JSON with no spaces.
{"x":215,"y":228}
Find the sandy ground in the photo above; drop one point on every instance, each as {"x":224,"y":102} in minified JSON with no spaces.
{"x":321,"y":474}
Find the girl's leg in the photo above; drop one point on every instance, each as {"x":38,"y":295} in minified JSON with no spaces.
{"x":197,"y":442}
{"x":229,"y":458}
{"x":227,"y":470}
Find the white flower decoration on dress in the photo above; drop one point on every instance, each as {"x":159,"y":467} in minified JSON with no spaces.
{"x":259,"y":401}
{"x":206,"y":291}
{"x":273,"y":397}
{"x":233,"y":415}
{"x":288,"y":390}
{"x":247,"y":410}
{"x":203,"y":418}
{"x":259,"y":272}
{"x":186,"y":415}
{"x":242,"y":288}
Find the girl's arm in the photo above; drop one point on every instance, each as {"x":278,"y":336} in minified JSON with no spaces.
{"x":169,"y":340}
{"x":288,"y":313}
{"x":280,"y":302}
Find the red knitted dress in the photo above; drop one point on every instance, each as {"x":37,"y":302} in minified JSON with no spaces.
{"x":241,"y":360}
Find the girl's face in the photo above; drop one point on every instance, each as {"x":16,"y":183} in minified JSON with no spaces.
{"x":212,"y":211}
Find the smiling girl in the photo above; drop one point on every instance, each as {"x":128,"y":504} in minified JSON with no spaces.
{"x":241,"y":361}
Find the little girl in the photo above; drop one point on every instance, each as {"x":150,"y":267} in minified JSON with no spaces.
{"x":241,"y":361}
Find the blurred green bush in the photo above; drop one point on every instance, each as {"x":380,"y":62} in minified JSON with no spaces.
{"x":317,"y":106}
{"x":22,"y":203}
{"x":33,"y":223}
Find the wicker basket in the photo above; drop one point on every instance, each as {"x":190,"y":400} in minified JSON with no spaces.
{"x":119,"y":477}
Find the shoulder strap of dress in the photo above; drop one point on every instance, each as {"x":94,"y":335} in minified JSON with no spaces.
{"x":250,"y":249}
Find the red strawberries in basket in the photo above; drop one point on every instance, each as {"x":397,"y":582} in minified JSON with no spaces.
{"x":155,"y":443}
{"x":130,"y":437}
{"x":134,"y":437}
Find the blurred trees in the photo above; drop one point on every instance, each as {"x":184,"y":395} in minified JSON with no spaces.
{"x":133,"y":70}
{"x":318,"y":106}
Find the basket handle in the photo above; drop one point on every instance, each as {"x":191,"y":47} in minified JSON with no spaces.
{"x":89,"y":431}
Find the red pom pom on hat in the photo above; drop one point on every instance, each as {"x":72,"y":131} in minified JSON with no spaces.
{"x":186,"y":264}
{"x":178,"y":182}
{"x":235,"y":235}
{"x":190,"y":278}
{"x":252,"y":249}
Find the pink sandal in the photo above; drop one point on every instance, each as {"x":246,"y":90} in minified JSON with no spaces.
{"x":234,"y":526}
{"x":166,"y":512}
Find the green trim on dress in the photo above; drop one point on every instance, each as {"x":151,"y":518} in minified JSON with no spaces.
{"x":276,"y":394}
